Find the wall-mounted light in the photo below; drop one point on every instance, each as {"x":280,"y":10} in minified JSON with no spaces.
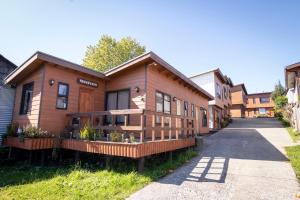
{"x":51,"y":82}
{"x":137,"y":89}
{"x":174,"y":99}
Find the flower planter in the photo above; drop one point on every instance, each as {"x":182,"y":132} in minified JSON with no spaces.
{"x":30,"y":143}
{"x":131,"y":150}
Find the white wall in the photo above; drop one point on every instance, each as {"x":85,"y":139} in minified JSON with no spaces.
{"x":207,"y":82}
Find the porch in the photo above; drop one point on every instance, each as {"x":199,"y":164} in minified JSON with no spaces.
{"x":152,"y":132}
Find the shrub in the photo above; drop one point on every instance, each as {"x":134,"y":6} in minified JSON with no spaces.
{"x":30,"y":131}
{"x":88,"y":132}
{"x":11,"y":129}
{"x":115,"y":136}
{"x":132,"y":138}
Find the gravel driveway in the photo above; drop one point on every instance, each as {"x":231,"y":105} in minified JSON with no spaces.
{"x":244,"y":161}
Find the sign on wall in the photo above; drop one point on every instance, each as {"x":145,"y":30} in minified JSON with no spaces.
{"x":87,"y":82}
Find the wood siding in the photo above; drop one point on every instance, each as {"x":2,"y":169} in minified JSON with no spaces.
{"x":54,"y":120}
{"x":33,"y":116}
{"x":30,"y":143}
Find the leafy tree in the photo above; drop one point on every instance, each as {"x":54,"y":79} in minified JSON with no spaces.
{"x":279,"y":91}
{"x":281,"y":101}
{"x":109,"y":52}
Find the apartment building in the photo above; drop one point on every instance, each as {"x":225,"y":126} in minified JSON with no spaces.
{"x":238,"y":101}
{"x":219,"y":86}
{"x":259,"y":105}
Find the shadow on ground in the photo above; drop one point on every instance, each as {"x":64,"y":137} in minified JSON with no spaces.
{"x":240,"y":141}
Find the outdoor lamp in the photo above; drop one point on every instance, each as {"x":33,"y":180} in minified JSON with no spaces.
{"x":51,"y":82}
{"x":137,"y":89}
{"x":174,"y":98}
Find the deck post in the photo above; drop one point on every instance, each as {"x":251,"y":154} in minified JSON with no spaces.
{"x":171,"y":156}
{"x":153,"y":127}
{"x":170,"y":128}
{"x":30,"y":157}
{"x":141,"y":164}
{"x":162,"y":132}
{"x":107,"y":162}
{"x":177,"y":126}
{"x":42,"y":158}
{"x":142,"y":128}
{"x":77,"y":157}
{"x":9,"y":153}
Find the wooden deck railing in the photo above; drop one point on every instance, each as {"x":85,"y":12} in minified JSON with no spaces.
{"x":141,"y":121}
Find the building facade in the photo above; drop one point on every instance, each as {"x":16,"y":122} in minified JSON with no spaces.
{"x":292,"y":84}
{"x":7,"y":94}
{"x":49,"y":88}
{"x":218,"y":86}
{"x":259,"y":105}
{"x":238,"y":101}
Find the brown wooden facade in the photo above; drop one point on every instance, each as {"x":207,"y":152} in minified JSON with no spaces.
{"x":259,"y":104}
{"x":88,"y":92}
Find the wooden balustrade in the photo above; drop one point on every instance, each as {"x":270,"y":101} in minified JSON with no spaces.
{"x":149,"y":123}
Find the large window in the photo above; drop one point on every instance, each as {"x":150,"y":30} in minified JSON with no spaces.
{"x":218,"y":91}
{"x":117,"y":100}
{"x":62,"y":96}
{"x":186,"y":108}
{"x":178,"y":107}
{"x":262,"y":111}
{"x":163,"y":104}
{"x":204,"y":117}
{"x":26,"y":99}
{"x":264,"y":99}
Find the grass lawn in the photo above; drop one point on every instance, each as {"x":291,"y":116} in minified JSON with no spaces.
{"x":85,"y":182}
{"x":293,"y":153}
{"x":294,"y":134}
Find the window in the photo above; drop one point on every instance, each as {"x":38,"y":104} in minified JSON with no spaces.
{"x":163,"y":104}
{"x":26,"y":99}
{"x":225,"y":93}
{"x":254,"y":101}
{"x":204,"y":117}
{"x":193,"y":110}
{"x":117,"y":100}
{"x":62,"y":96}
{"x":262,"y":111}
{"x":186,"y":108}
{"x":218,"y":91}
{"x":264,"y":99}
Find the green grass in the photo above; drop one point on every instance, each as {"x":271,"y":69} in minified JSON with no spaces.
{"x":88,"y":182}
{"x":294,"y":134}
{"x":293,"y":153}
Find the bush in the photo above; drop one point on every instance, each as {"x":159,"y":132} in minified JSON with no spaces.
{"x":11,"y":129}
{"x":115,"y":136}
{"x":88,"y":132}
{"x":30,"y":131}
{"x":132,"y":138}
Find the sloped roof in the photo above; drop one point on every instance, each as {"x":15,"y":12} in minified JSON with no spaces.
{"x":38,"y":58}
{"x":239,"y":87}
{"x":8,"y":68}
{"x":151,"y":56}
{"x":217,"y":71}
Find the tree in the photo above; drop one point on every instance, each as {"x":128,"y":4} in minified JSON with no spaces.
{"x":109,"y":52}
{"x":280,"y":102}
{"x":278,"y":91}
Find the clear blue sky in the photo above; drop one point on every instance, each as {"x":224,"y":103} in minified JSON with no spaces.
{"x":251,"y":41}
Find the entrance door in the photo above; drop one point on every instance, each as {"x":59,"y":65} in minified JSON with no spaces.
{"x":86,"y":100}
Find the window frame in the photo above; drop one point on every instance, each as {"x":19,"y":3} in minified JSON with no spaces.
{"x":157,"y":118}
{"x":22,"y":103}
{"x":193,"y":110}
{"x":262,"y":102}
{"x":65,"y":96}
{"x":218,"y":91}
{"x":185,"y":108}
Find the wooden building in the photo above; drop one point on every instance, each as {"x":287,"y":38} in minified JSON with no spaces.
{"x":259,"y":105}
{"x":145,"y":96}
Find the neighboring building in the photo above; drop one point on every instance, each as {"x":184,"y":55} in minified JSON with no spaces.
{"x":239,"y":101}
{"x":7,"y":94}
{"x":218,"y":86}
{"x":259,"y":104}
{"x":292,"y":84}
{"x":48,"y":88}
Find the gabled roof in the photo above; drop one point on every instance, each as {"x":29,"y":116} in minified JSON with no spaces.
{"x":217,"y":71}
{"x":151,"y":56}
{"x":12,"y":65}
{"x":239,"y":87}
{"x":38,"y":58}
{"x":228,"y":81}
{"x":8,"y":68}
